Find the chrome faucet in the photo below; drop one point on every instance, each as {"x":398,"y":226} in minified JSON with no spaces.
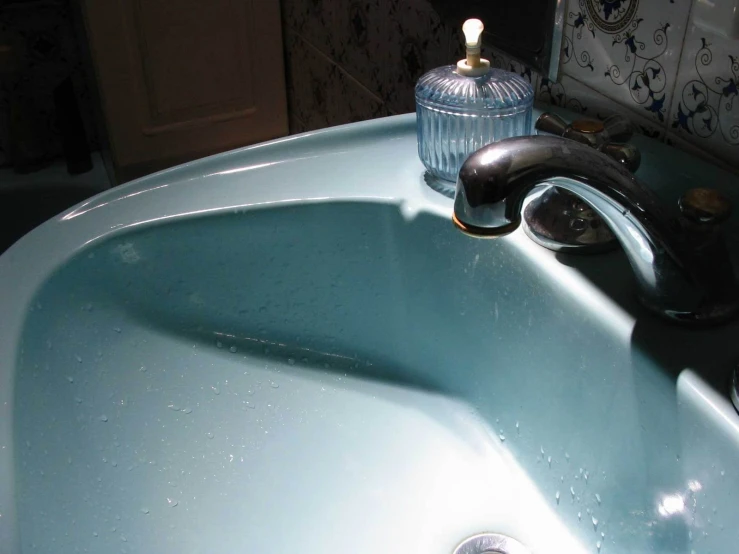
{"x":682,"y":267}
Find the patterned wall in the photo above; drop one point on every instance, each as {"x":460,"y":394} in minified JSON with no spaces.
{"x":353,"y":60}
{"x":45,"y":47}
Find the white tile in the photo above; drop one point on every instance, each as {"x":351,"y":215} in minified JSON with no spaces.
{"x":627,"y":50}
{"x":705,"y":106}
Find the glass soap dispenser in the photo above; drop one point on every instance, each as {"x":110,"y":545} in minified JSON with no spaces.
{"x":461,"y":108}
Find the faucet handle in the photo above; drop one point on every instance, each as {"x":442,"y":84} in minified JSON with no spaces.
{"x":625,"y":154}
{"x":551,"y":124}
{"x":608,"y":135}
{"x":705,"y":206}
{"x":586,"y":131}
{"x":618,"y":128}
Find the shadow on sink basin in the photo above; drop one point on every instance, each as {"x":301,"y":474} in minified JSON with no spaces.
{"x":242,"y":366}
{"x":694,"y":430}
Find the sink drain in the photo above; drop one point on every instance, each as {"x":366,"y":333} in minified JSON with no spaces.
{"x":491,"y":543}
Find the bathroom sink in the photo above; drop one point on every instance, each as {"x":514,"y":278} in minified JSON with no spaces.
{"x":290,"y":348}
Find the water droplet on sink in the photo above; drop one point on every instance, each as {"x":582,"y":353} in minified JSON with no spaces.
{"x":173,"y":407}
{"x":598,"y":545}
{"x":144,"y":510}
{"x":209,"y":435}
{"x":567,"y":456}
{"x":94,"y":533}
{"x":274,"y":385}
{"x":142,"y":369}
{"x":579,"y":516}
{"x":556,"y":497}
{"x":572,"y":492}
{"x":171,"y":502}
{"x":595,"y":522}
{"x":597,"y":498}
{"x":501,"y":436}
{"x":216,"y":390}
{"x":103,"y":418}
{"x":518,"y":429}
{"x":233,"y":349}
{"x":117,"y":329}
{"x":549,"y":461}
{"x":723,"y":473}
{"x":78,"y":358}
{"x":542,"y":450}
{"x":186,"y":410}
{"x":70,"y":379}
{"x":291,"y":361}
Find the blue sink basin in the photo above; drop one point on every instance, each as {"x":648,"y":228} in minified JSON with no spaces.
{"x":289,"y":347}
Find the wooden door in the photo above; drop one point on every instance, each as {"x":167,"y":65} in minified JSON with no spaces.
{"x":181,"y":79}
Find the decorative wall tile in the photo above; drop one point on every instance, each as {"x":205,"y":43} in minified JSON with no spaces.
{"x":295,"y":125}
{"x":705,"y":108}
{"x":573,"y":95}
{"x":626,"y":49}
{"x":501,"y":60}
{"x":321,"y":94}
{"x":358,"y":41}
{"x":417,"y":42}
{"x":311,"y":19}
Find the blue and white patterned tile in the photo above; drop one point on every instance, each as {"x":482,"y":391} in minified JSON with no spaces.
{"x":705,"y":106}
{"x":579,"y":98}
{"x":628,"y":50}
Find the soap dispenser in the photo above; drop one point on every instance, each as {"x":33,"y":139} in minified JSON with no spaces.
{"x":461,"y":108}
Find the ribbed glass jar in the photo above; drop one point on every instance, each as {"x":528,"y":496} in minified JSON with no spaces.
{"x":458,"y":115}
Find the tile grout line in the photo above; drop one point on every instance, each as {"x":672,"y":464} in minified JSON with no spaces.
{"x":327,"y":59}
{"x":677,"y":73}
{"x":615,"y":101}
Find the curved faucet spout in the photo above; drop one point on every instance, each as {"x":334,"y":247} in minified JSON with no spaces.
{"x":683,"y":270}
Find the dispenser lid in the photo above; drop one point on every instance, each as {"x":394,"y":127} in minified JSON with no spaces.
{"x":473,"y":65}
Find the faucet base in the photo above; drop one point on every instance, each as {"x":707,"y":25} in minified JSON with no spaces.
{"x":560,"y":221}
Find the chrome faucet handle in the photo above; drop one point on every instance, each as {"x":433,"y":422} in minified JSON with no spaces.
{"x":705,"y":207}
{"x":609,"y":136}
